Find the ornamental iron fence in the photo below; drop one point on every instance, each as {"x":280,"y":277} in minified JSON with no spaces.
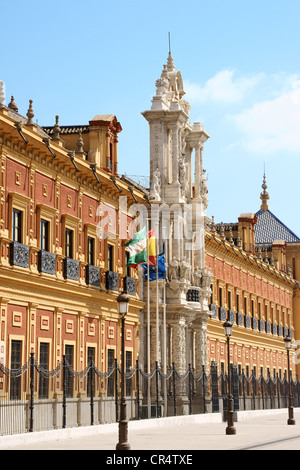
{"x":33,"y":398}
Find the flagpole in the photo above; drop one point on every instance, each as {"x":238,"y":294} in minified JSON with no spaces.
{"x":157,"y":308}
{"x":165,"y":334}
{"x":148,"y":320}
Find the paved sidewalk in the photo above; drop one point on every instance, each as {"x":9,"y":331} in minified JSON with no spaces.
{"x":265,"y":430}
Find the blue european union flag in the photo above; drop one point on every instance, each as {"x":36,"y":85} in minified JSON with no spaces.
{"x":161,"y":265}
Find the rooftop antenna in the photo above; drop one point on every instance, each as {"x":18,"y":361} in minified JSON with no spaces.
{"x":169,"y":42}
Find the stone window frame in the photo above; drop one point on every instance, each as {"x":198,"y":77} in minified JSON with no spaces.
{"x":221,"y":285}
{"x":114,"y":245}
{"x":90,"y":231}
{"x":253,"y":307}
{"x":230,"y":289}
{"x":22,"y":203}
{"x":246,"y":295}
{"x":70,"y":222}
{"x":46,"y":213}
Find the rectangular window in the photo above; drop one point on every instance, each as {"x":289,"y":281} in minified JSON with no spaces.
{"x":15,"y":363}
{"x":90,"y":357}
{"x":90,"y":250}
{"x":110,"y":366}
{"x":69,"y":376}
{"x":44,"y":235}
{"x":229,"y":300}
{"x":127,"y":268}
{"x":111,"y":155}
{"x":220,"y":297}
{"x":17,"y":225}
{"x":69,"y":243}
{"x":110,"y":254}
{"x":44,"y":363}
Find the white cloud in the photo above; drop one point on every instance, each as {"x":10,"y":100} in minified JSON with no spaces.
{"x":272,"y":125}
{"x":263,"y":110}
{"x":224,"y":87}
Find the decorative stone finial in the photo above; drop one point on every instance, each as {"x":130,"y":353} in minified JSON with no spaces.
{"x":2,"y":94}
{"x":213,"y":226}
{"x":231,"y":241}
{"x":56,"y":129}
{"x":259,"y":253}
{"x":170,"y":63}
{"x":222,"y":231}
{"x":12,"y":105}
{"x":30,"y":114}
{"x":238,"y":240}
{"x":80,"y":143}
{"x":264,"y":196}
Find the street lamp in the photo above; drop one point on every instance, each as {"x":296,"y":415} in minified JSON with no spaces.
{"x":123,"y":444}
{"x":288,"y":344}
{"x":230,"y":429}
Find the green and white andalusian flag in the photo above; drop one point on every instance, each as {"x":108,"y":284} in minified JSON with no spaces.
{"x":137,"y":248}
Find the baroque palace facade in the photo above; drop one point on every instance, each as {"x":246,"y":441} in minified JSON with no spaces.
{"x":60,"y":276}
{"x":63,"y":223}
{"x":256,"y":266}
{"x":256,"y":292}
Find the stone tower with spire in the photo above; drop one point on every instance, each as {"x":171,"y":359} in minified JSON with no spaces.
{"x":178,"y":196}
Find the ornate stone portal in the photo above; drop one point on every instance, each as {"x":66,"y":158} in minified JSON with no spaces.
{"x":178,"y":196}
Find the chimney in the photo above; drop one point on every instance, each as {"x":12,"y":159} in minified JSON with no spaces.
{"x":247,"y":223}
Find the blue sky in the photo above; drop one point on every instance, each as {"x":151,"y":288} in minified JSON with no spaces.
{"x":238,"y":59}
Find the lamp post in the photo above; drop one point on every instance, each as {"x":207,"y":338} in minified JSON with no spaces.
{"x":288,"y":343}
{"x":123,"y":444}
{"x":230,"y":429}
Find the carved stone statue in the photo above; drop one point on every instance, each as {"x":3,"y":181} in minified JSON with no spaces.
{"x":183,"y":175}
{"x":156,"y":185}
{"x":203,"y":189}
{"x":197,"y":276}
{"x":162,"y":83}
{"x":206,"y":278}
{"x":185,"y":269}
{"x":173,"y":269}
